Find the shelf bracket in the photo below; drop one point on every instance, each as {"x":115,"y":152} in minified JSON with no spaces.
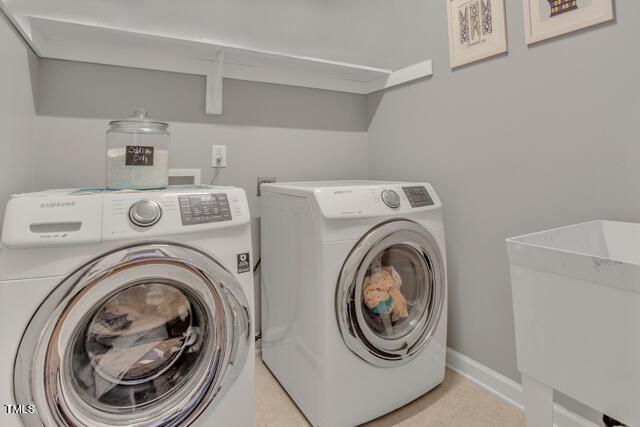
{"x":214,"y":85}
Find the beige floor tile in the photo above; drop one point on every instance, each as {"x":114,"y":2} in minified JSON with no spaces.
{"x":274,"y":408}
{"x":457,"y":402}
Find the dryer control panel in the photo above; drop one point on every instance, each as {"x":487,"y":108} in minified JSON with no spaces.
{"x":418,"y":196}
{"x":376,"y":200}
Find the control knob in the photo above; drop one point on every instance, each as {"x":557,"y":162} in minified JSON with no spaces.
{"x":391,"y":199}
{"x":145,"y":213}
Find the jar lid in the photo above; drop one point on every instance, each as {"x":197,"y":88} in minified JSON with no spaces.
{"x":139,"y":121}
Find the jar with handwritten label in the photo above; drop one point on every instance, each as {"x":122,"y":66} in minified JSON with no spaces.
{"x":137,"y":153}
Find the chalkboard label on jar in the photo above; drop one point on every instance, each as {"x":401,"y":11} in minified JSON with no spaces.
{"x":139,"y":155}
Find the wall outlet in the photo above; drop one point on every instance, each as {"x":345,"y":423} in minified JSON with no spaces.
{"x":264,"y":180}
{"x":219,"y":151}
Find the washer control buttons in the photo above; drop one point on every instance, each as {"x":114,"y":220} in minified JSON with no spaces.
{"x":205,"y":208}
{"x":391,"y":199}
{"x":145,"y":213}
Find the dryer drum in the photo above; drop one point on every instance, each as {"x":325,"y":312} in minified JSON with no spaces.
{"x":149,"y":334}
{"x":390,"y":293}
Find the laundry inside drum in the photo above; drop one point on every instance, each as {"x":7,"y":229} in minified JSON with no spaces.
{"x":137,"y":347}
{"x":138,"y":332}
{"x":396,"y":291}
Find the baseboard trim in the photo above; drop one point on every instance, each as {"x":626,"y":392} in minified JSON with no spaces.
{"x":507,"y":389}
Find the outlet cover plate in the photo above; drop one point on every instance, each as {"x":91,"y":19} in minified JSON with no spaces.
{"x":219,"y":150}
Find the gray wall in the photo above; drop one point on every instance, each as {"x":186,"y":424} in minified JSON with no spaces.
{"x":252,"y":151}
{"x":270,"y":130}
{"x":18,"y":69}
{"x":542,"y":137}
{"x":82,"y":90}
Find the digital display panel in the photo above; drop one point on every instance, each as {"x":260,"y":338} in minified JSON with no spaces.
{"x":418,"y":196}
{"x":204,"y":208}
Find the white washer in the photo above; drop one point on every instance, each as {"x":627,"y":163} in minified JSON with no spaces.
{"x":127,"y":308}
{"x":323,"y":245}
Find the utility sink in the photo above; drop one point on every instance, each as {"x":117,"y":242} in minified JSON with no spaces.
{"x":576,"y":303}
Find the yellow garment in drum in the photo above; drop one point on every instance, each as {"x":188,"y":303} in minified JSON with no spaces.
{"x":384,"y":285}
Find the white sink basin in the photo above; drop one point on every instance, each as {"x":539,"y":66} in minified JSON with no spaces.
{"x":576,"y":302}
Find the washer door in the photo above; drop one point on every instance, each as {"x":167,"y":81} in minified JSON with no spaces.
{"x":390,"y":293}
{"x":150,"y":334}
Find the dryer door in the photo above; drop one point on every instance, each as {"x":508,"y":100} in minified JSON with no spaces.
{"x":391,"y":293}
{"x":147,"y":335}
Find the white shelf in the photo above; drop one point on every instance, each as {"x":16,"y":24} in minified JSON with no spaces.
{"x":88,"y":43}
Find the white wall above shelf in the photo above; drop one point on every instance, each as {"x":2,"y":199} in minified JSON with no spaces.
{"x":88,"y":43}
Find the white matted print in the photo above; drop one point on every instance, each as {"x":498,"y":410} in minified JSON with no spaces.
{"x":477,"y":30}
{"x":544,"y":19}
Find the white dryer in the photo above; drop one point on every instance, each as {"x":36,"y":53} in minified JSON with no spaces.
{"x":127,"y":308}
{"x":354,"y":295}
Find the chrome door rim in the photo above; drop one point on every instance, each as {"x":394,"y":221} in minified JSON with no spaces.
{"x":356,"y":334}
{"x":40,"y":363}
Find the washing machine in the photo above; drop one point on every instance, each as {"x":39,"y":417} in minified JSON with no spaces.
{"x":127,"y":309}
{"x":354,"y":295}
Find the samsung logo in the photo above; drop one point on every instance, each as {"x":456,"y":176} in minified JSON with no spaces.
{"x":57,"y":204}
{"x":342,"y":192}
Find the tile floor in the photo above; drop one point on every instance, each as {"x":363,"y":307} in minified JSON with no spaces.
{"x":458,"y":402}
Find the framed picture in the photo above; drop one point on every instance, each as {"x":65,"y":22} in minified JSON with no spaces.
{"x":477,"y":30}
{"x":544,"y":19}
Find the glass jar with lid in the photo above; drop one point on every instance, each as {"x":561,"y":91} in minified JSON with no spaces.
{"x":137,"y":153}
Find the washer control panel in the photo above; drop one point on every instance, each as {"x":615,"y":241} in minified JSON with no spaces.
{"x":418,"y":196}
{"x":204,"y":208}
{"x":391,"y":199}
